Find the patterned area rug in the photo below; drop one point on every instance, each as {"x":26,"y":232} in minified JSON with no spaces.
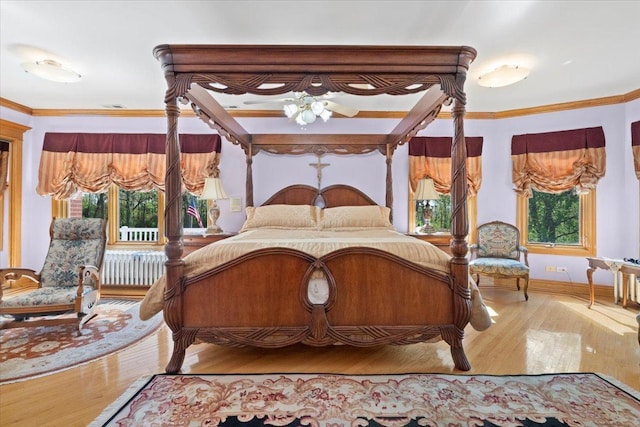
{"x":329,"y":400}
{"x":34,"y":351}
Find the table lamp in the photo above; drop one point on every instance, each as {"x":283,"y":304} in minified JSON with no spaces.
{"x":426,"y":191}
{"x":213,"y":191}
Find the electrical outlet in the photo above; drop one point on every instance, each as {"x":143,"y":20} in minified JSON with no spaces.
{"x":561,"y":269}
{"x":550,"y":268}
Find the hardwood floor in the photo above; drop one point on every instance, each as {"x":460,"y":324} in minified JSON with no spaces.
{"x":549,"y":333}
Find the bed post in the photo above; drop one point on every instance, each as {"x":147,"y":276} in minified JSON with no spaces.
{"x":459,"y":215}
{"x":173,"y":231}
{"x":389,"y":196}
{"x":249,"y":178}
{"x":459,"y":231}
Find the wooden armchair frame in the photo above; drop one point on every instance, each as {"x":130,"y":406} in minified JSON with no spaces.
{"x":504,"y":263}
{"x":53,"y":299}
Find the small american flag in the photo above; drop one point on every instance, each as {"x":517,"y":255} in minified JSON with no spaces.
{"x":193,"y":211}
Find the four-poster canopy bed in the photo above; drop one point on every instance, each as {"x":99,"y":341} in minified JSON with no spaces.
{"x":371,"y":296}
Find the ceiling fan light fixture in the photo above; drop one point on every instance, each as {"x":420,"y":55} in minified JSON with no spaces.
{"x":308,"y":116}
{"x":299,"y":120}
{"x":504,"y":76}
{"x":51,"y":70}
{"x":317,"y":107}
{"x":290,"y":110}
{"x":306,"y":109}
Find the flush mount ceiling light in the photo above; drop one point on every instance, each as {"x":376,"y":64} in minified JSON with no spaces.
{"x":503,"y":76}
{"x":51,"y":70}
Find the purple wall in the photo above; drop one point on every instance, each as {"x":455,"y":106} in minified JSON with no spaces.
{"x":618,"y":213}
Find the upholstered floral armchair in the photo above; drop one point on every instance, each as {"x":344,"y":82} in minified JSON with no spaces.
{"x":69,"y":281}
{"x":498,"y":253}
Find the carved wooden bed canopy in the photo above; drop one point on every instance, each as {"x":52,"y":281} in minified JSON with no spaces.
{"x":193,"y":72}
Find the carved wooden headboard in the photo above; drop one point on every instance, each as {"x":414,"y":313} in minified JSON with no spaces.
{"x":328,"y":197}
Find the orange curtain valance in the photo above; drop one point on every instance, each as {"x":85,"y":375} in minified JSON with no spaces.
{"x":91,"y":162}
{"x":635,"y":146}
{"x":554,"y":162}
{"x":430,"y":157}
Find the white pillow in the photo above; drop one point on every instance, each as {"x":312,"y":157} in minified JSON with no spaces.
{"x":281,"y":216}
{"x":347,"y":218}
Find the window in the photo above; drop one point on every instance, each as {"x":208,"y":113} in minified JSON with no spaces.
{"x":189,"y":221}
{"x":555,"y":175}
{"x":95,"y":205}
{"x":138,"y":160}
{"x":440,"y":214}
{"x":430,"y":157}
{"x":554,"y":218}
{"x":441,"y":217}
{"x":560,"y":224}
{"x":135,"y":217}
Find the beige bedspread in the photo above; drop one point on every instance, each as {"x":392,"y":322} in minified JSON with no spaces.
{"x":316,"y":243}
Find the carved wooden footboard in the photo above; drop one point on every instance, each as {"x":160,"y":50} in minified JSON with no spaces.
{"x":373,"y":298}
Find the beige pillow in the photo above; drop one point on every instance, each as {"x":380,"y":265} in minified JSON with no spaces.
{"x":281,"y":216}
{"x":355,"y":217}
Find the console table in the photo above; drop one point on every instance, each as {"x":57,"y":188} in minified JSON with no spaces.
{"x":624,"y":278}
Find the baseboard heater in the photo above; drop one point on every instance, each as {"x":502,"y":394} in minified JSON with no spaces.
{"x":127,"y":267}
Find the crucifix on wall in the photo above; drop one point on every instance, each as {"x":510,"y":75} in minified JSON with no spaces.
{"x":319,"y":165}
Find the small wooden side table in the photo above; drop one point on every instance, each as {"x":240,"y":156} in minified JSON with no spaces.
{"x":192,"y":242}
{"x":440,"y":240}
{"x":628,"y":272}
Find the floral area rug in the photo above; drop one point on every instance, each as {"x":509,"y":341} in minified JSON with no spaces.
{"x":34,"y":351}
{"x":328,"y":400}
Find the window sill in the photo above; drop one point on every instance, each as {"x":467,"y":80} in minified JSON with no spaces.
{"x":564,"y":250}
{"x":136,"y":245}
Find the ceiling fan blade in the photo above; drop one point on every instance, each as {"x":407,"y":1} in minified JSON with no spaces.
{"x":326,"y":96}
{"x":341,"y":109}
{"x":269,"y":101}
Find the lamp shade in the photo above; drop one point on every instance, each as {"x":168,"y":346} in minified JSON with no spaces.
{"x":213,"y":190}
{"x":426,"y":190}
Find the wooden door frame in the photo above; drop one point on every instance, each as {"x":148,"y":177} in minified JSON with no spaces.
{"x":13,"y":133}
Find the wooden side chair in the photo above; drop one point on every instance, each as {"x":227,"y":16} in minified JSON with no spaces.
{"x":498,"y":253}
{"x":69,"y":281}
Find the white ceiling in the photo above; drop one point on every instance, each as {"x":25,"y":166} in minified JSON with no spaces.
{"x":577,"y":50}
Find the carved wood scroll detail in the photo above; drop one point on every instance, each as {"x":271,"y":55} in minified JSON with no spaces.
{"x":319,"y":84}
{"x":316,"y":85}
{"x":320,"y":149}
{"x":218,"y":127}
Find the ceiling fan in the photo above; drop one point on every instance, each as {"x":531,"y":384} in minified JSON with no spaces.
{"x":305,"y":108}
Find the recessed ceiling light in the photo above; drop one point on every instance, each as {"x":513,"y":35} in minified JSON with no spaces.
{"x":51,"y":70}
{"x":503,"y":76}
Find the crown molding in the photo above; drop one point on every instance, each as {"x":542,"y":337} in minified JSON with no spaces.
{"x":15,"y":106}
{"x":551,"y":108}
{"x":574,"y":105}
